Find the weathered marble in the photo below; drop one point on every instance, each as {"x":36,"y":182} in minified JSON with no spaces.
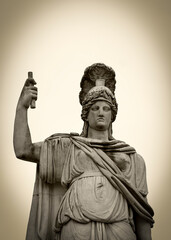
{"x":89,"y":186}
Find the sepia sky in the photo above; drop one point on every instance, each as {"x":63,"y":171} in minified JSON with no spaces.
{"x":57,"y":40}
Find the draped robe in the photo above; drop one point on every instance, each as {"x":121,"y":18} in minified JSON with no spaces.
{"x":88,"y":190}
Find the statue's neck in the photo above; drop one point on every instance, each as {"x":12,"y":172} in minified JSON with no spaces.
{"x":96,"y":134}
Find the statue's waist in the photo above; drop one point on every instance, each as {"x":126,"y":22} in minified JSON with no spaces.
{"x":87,"y":174}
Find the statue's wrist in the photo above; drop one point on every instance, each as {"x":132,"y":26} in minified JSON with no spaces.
{"x":22,"y":107}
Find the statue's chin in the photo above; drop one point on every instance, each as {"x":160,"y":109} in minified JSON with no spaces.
{"x":101,"y":126}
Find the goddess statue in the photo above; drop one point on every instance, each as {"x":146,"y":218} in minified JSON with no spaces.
{"x":88,"y":186}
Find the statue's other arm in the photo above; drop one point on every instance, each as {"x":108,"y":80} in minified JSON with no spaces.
{"x":23,"y":146}
{"x":143,"y":229}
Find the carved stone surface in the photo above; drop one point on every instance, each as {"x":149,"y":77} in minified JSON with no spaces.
{"x":89,"y":186}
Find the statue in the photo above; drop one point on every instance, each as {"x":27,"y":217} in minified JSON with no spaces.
{"x":88,"y":186}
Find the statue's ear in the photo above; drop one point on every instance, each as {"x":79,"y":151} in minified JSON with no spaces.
{"x":86,"y":120}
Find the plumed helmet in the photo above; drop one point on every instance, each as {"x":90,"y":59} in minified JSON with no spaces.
{"x":98,"y":83}
{"x":96,"y":75}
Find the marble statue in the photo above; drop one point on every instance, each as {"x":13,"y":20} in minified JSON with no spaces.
{"x":88,"y":186}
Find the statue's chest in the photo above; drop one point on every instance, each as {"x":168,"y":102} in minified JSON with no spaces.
{"x":83,"y":162}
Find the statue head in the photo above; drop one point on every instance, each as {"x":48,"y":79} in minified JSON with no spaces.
{"x":99,"y":116}
{"x":97,"y":84}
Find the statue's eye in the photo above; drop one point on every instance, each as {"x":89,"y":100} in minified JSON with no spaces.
{"x":106,"y":108}
{"x":95,"y":108}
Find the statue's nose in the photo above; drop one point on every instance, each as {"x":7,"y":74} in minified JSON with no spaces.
{"x":101,"y":112}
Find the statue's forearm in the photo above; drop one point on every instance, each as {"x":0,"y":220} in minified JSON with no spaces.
{"x":22,"y":139}
{"x":143,"y":229}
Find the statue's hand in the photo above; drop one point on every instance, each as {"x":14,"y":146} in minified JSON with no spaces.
{"x":28,"y":94}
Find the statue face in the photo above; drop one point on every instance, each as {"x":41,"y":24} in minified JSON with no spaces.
{"x":100,"y":115}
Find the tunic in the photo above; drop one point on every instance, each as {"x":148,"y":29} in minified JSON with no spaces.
{"x":88,"y":190}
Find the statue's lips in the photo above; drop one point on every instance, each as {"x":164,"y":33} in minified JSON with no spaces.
{"x":100,"y":119}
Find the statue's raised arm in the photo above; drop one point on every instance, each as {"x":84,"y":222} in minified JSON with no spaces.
{"x":23,"y":146}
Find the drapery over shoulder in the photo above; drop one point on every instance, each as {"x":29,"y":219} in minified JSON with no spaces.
{"x":117,"y":178}
{"x":53,"y":154}
{"x":48,"y":191}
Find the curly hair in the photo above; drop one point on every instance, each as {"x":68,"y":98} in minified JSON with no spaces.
{"x":103,"y":96}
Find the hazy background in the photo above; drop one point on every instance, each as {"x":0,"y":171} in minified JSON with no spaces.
{"x":57,"y":40}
